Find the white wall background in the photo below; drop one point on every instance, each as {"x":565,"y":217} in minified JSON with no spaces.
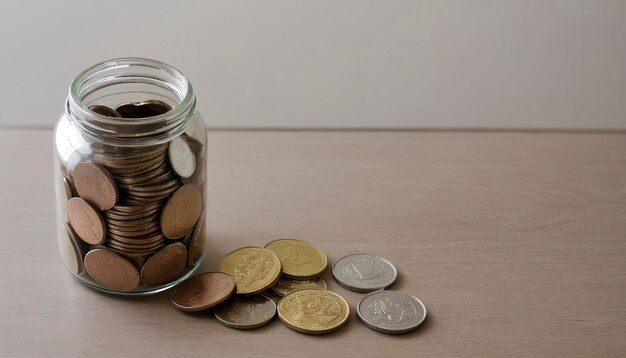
{"x":334,"y":63}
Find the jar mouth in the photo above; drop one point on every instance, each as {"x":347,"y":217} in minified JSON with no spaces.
{"x":135,"y":78}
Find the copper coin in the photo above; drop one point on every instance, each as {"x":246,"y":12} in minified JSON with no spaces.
{"x":182,"y":211}
{"x":121,"y":209}
{"x":181,"y":157}
{"x":95,"y":185}
{"x":138,"y":216}
{"x":152,"y":108}
{"x":127,"y":110}
{"x":70,"y":249}
{"x":156,"y":187}
{"x":196,"y":245}
{"x":86,"y":221}
{"x":111,"y":270}
{"x":105,"y":111}
{"x":203,"y":291}
{"x":165,"y":265}
{"x":131,"y":234}
{"x":67,"y":188}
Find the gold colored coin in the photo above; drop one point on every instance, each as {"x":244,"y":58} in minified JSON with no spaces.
{"x":111,"y":270}
{"x":182,"y":211}
{"x":285,"y":285}
{"x":95,"y":185}
{"x":86,"y":221}
{"x":254,"y":269}
{"x":313,"y":311}
{"x":299,"y":259}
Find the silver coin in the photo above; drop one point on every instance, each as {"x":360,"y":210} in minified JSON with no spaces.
{"x":391,"y":312}
{"x":364,"y":273}
{"x":246,"y":312}
{"x":181,"y":157}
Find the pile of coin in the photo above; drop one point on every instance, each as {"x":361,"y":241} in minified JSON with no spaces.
{"x":136,"y":210}
{"x":241,"y":295}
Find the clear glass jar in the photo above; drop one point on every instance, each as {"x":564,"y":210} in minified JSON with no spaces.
{"x":130,"y":163}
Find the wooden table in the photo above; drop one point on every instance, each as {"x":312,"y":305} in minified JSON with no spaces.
{"x":515,"y":242}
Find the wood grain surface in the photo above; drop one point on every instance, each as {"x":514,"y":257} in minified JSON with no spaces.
{"x":515,"y":242}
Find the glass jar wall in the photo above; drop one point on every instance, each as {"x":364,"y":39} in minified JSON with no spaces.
{"x":130,"y":169}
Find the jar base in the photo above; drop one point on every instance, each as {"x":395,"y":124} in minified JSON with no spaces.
{"x":144,"y":292}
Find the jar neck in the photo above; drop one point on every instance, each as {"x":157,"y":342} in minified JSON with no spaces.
{"x":124,"y":80}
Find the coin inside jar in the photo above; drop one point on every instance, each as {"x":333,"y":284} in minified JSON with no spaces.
{"x":111,"y":270}
{"x":94,"y":184}
{"x":164,"y":265}
{"x":105,"y":111}
{"x":203,"y":291}
{"x":86,"y":221}
{"x":182,"y":211}
{"x":181,"y":157}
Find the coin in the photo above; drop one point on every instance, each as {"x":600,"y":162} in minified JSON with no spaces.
{"x":364,"y":272}
{"x":246,"y":312}
{"x":313,"y":311}
{"x":95,"y":185}
{"x":391,"y":312}
{"x":70,"y":250}
{"x":111,"y":270}
{"x":203,"y":291}
{"x":152,"y":108}
{"x":253,"y":268}
{"x":196,"y":245}
{"x":67,"y":188}
{"x":165,"y":265}
{"x":285,"y":285}
{"x":182,"y":211}
{"x":181,"y":157}
{"x":86,"y":221}
{"x":299,"y":259}
{"x":105,"y":111}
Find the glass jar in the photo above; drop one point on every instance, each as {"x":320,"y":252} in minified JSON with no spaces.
{"x":130,"y":163}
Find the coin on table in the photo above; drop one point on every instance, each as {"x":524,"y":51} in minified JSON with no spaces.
{"x":246,"y":312}
{"x":285,"y":285}
{"x":254,"y":269}
{"x":313,"y":311}
{"x":105,"y":111}
{"x":182,"y":211}
{"x":70,"y":250}
{"x":86,"y":221}
{"x":111,"y":270}
{"x":391,"y":312}
{"x":364,"y":272}
{"x":96,"y":185}
{"x":181,"y":157}
{"x":203,"y":291}
{"x":165,"y":265}
{"x":299,"y":259}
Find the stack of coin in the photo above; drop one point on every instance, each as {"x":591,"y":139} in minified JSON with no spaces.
{"x":132,"y":210}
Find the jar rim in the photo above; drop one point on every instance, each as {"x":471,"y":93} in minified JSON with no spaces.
{"x":93,"y":123}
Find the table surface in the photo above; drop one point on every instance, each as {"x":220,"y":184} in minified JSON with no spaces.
{"x":515,"y":242}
